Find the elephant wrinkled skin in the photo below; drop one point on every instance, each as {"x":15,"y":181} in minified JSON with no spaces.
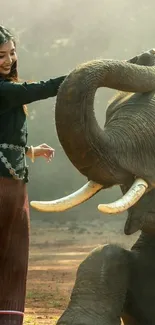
{"x":123,"y":152}
{"x":112,"y":283}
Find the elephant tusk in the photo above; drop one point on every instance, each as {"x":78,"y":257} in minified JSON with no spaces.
{"x":135,"y":192}
{"x":67,"y":202}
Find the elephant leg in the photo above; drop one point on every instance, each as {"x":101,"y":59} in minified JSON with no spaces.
{"x":100,"y":288}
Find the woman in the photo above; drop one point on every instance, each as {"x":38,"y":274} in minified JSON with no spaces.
{"x":14,"y":210}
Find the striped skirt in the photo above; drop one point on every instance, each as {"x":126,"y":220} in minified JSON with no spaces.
{"x":14,"y":246}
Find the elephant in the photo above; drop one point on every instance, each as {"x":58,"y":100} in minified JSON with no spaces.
{"x":112,"y":283}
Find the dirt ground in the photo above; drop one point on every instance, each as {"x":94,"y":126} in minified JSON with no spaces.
{"x":55,"y":254}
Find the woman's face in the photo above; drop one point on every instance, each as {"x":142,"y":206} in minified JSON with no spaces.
{"x":7,"y":57}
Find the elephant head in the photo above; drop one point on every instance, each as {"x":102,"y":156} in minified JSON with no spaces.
{"x":123,"y":153}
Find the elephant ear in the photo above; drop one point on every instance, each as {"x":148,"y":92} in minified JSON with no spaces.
{"x":141,"y":216}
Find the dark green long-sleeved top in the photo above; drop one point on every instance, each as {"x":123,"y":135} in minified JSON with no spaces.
{"x":13,"y":125}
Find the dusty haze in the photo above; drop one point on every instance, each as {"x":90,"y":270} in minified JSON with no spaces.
{"x":53,"y":36}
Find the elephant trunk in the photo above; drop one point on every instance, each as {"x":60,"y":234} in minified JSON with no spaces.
{"x":83,"y":141}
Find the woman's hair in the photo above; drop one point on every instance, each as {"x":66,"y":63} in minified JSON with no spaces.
{"x":6,"y":36}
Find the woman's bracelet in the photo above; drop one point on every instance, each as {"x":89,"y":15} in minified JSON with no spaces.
{"x":32,"y":153}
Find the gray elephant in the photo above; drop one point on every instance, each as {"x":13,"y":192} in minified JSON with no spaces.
{"x":112,"y":283}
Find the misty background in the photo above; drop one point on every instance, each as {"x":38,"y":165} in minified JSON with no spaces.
{"x":53,"y":37}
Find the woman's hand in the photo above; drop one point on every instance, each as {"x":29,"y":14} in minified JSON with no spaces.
{"x":43,"y":150}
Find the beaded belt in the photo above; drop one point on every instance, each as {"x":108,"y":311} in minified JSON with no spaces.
{"x":5,"y":161}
